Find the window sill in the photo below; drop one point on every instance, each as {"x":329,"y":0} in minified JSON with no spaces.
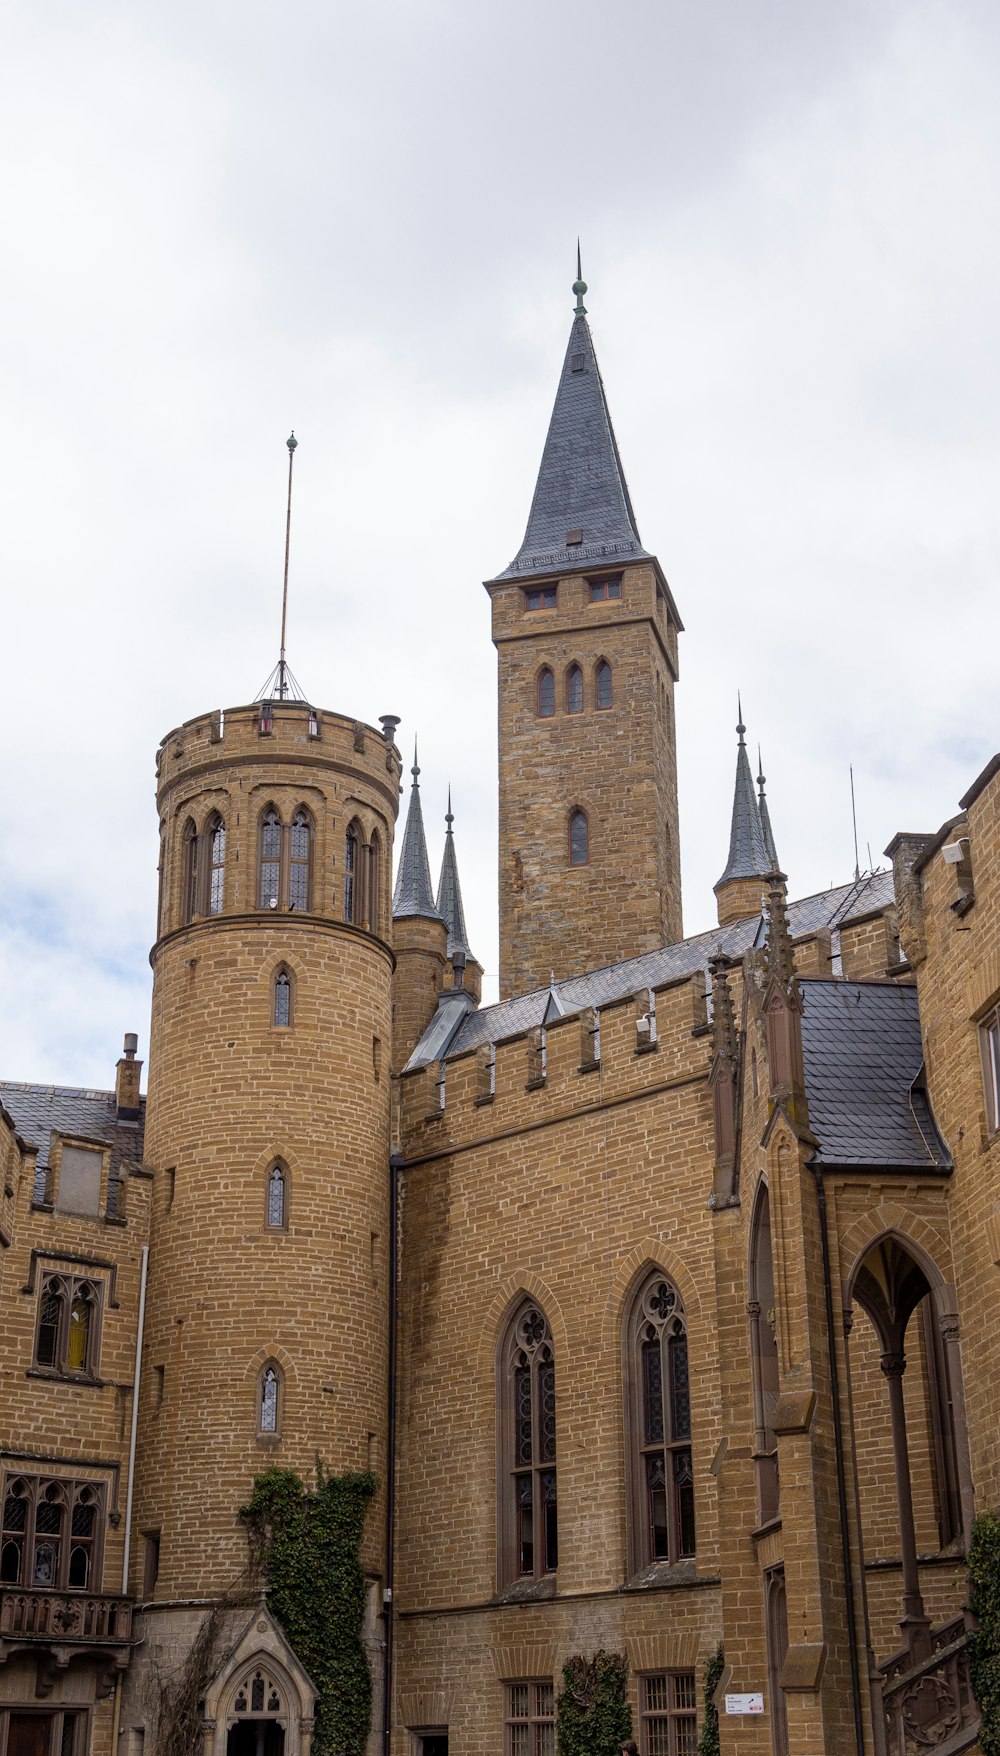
{"x":528,"y":1591}
{"x":269,"y":1439}
{"x":535,"y":1084}
{"x":665,"y":1576}
{"x":646,"y":1048}
{"x":485,"y":1098}
{"x":769,"y":1526}
{"x":52,"y":1375}
{"x":590,"y":1066}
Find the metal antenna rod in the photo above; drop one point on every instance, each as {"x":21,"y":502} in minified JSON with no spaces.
{"x":282,"y":682}
{"x":854,"y":818}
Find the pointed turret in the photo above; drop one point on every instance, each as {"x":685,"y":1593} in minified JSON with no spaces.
{"x":738,"y":891}
{"x":581,"y":513}
{"x":765,"y":816}
{"x":468,"y":970}
{"x":413,"y":894}
{"x":419,"y":936}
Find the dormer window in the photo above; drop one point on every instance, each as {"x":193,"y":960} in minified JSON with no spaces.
{"x":602,"y":589}
{"x":541,"y":598}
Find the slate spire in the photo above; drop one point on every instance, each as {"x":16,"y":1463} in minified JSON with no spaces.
{"x":581,"y":512}
{"x":449,"y":892}
{"x":413,"y":894}
{"x":765,"y":816}
{"x":748,"y":852}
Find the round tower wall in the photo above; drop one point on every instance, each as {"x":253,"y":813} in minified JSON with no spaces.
{"x":249,"y":1275}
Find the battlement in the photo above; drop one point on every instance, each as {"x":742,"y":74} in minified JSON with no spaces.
{"x":277,"y":732}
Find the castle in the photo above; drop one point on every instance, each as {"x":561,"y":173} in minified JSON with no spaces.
{"x":658,"y":1297}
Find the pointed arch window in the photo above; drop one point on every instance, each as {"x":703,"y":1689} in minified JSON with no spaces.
{"x":190,"y":876}
{"x":658,"y":1425}
{"x":528,"y":1523}
{"x":277,"y":1198}
{"x":269,"y":887}
{"x":66,"y":1334}
{"x":352,"y":869}
{"x":579,"y":839}
{"x":603,"y":686}
{"x":574,"y":690}
{"x":545,"y":703}
{"x":258,"y":1695}
{"x":373,"y":912}
{"x":281,"y":999}
{"x":216,"y":863}
{"x":269,"y":1389}
{"x":300,"y":860}
{"x":51,"y":1532}
{"x":764,"y":1357}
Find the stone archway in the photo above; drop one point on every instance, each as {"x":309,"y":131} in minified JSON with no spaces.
{"x":261,"y":1701}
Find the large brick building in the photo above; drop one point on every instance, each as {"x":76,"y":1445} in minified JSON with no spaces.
{"x":659,"y":1296}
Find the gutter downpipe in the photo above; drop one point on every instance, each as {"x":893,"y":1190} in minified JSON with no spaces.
{"x":127,"y":1551}
{"x":838,"y":1446}
{"x":396,"y":1162}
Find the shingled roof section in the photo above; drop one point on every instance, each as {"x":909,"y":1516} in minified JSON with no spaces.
{"x":864,"y":1076}
{"x":449,"y":892}
{"x":509,"y":1018}
{"x":40,"y":1111}
{"x":581,"y":492}
{"x":413,"y":894}
{"x":748,"y":852}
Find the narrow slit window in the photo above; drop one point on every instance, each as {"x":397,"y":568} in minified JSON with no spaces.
{"x":605,"y":694}
{"x":579,"y":839}
{"x":270,"y":859}
{"x":546,"y":705}
{"x":190,"y":871}
{"x":283,"y":999}
{"x":574,"y":690}
{"x":373,"y":912}
{"x":352,"y":871}
{"x":299,"y":852}
{"x":217,"y":864}
{"x":270,"y":1385}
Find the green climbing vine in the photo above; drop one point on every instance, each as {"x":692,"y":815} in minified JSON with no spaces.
{"x":593,"y":1717}
{"x":708,"y":1743}
{"x":984,"y":1649}
{"x":308,"y":1542}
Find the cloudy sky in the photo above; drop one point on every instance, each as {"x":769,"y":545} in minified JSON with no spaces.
{"x":221,"y":221}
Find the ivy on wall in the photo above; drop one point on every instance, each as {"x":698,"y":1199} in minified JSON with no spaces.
{"x":708,"y":1743}
{"x":308,"y":1542}
{"x":984,"y":1648}
{"x":593,"y":1717}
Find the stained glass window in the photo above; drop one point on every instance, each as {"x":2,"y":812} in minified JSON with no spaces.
{"x":276,"y":1197}
{"x":298,"y":861}
{"x":352,"y":864}
{"x":190,"y":870}
{"x":579,"y":839}
{"x":604,"y":690}
{"x":282,"y":998}
{"x":270,"y":859}
{"x":66,"y":1333}
{"x":269,"y":1383}
{"x":546,"y":694}
{"x":574,"y":690}
{"x":531,"y":1548}
{"x":658,"y":1426}
{"x":217,"y":864}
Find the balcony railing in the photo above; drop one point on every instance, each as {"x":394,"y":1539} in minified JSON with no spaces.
{"x":64,"y":1617}
{"x":929,"y":1707}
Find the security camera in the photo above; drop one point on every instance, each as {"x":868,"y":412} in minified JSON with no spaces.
{"x":953,"y":853}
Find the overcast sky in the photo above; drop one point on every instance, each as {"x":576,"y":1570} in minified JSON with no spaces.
{"x":223,"y":221}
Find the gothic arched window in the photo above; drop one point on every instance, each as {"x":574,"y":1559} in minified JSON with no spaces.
{"x":269,"y":1399}
{"x":574,"y":690}
{"x":66,"y":1331}
{"x":373,"y":911}
{"x":269,"y":859}
{"x":277,"y":1199}
{"x":658,"y":1425}
{"x":763,"y":1357}
{"x":604,"y":693}
{"x":546,"y":694}
{"x":281,"y":998}
{"x":300,"y":860}
{"x":216,"y":836}
{"x":579,"y":839}
{"x":189,"y":904}
{"x":352,"y":872}
{"x":257,"y":1696}
{"x":527,"y":1463}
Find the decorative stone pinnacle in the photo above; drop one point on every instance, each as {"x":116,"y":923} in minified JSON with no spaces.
{"x":291,"y":441}
{"x":780,"y":961}
{"x":723,"y":1019}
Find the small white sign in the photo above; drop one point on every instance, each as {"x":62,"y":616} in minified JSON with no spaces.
{"x":744,"y":1703}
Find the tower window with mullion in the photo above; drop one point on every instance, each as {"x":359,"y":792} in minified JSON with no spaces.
{"x":528,"y":1513}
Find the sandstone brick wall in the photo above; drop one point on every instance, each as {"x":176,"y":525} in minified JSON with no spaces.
{"x":618,"y":765}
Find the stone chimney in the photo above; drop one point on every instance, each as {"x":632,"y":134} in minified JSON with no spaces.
{"x":127,"y":1075}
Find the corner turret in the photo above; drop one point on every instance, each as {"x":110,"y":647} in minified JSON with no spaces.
{"x":420,"y":935}
{"x":738,"y":892}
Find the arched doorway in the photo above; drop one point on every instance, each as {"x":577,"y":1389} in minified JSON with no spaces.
{"x":257,"y":1716}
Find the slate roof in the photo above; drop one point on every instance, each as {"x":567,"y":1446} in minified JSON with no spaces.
{"x":581,"y":484}
{"x":449,"y":892}
{"x":864,"y":1076}
{"x":509,"y":1018}
{"x":748,"y":851}
{"x":39,"y":1111}
{"x":413,"y":894}
{"x":765,"y":818}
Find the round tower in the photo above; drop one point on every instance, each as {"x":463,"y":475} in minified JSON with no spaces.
{"x":268,"y":1135}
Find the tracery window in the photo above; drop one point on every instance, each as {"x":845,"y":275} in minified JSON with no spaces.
{"x":269,"y":1400}
{"x":277,"y":1198}
{"x":528,"y":1522}
{"x":579,"y":839}
{"x":190,"y":878}
{"x":216,"y":863}
{"x":281,"y":1000}
{"x":257,"y":1695}
{"x":270,"y":859}
{"x":546,"y":694}
{"x":658,"y":1425}
{"x":764,"y":1357}
{"x":574,"y":690}
{"x":66,"y":1338}
{"x":604,"y":691}
{"x":51,"y":1533}
{"x":299,"y":860}
{"x":373,"y":911}
{"x":284,"y":860}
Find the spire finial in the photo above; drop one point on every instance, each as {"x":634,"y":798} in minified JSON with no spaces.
{"x":292,"y":444}
{"x":760,"y":773}
{"x":448,"y":816}
{"x":579,"y":285}
{"x":741,"y":728}
{"x":415,"y":770}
